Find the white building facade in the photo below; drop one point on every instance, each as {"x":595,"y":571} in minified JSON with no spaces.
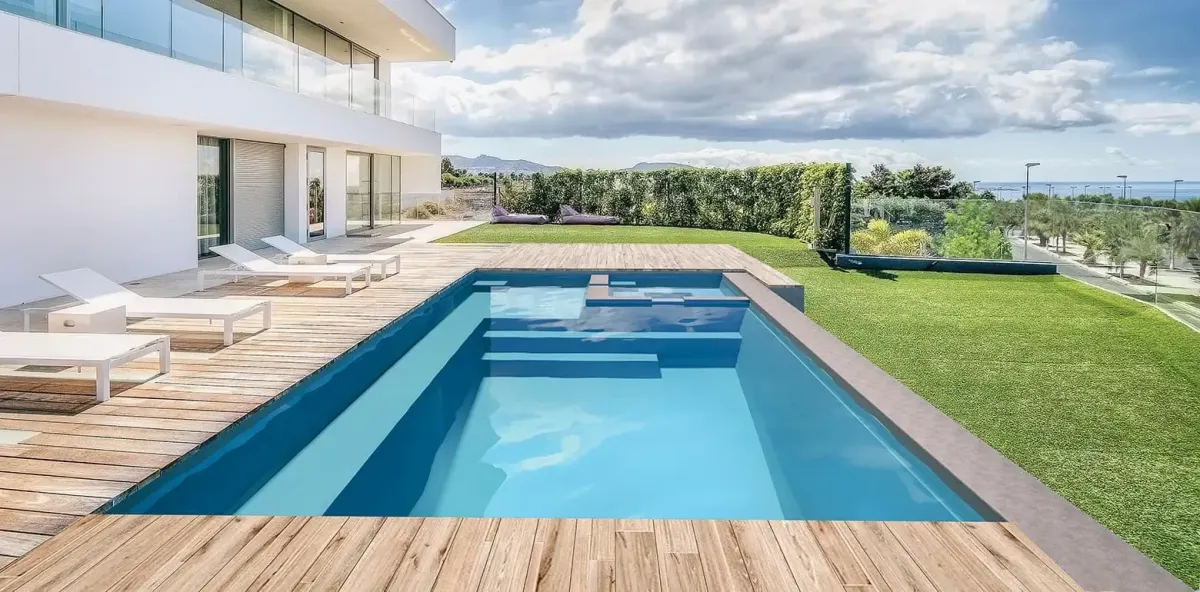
{"x":137,"y":134}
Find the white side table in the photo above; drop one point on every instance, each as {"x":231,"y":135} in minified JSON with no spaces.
{"x":88,"y":318}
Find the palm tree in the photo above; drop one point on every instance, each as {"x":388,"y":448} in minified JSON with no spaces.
{"x":1060,"y":220}
{"x":1145,"y":248}
{"x":878,"y":239}
{"x":1092,"y":244}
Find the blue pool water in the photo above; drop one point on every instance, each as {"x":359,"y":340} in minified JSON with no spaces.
{"x":509,"y":395}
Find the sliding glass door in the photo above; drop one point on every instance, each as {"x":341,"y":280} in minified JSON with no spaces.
{"x":212,"y":194}
{"x":316,"y":192}
{"x":358,"y":191}
{"x":387,"y":190}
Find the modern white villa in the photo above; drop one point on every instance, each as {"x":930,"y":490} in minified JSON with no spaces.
{"x":137,"y":134}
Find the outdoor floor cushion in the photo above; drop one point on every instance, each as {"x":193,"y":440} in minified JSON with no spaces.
{"x":501,"y":216}
{"x":568,"y":215}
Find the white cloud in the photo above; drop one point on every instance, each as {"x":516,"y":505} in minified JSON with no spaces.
{"x":736,"y":158}
{"x":542,"y":32}
{"x":1124,"y":158}
{"x":447,"y":7}
{"x":788,"y":70}
{"x":1176,"y":119}
{"x":1151,"y":72}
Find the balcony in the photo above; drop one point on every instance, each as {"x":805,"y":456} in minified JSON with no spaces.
{"x":192,"y":32}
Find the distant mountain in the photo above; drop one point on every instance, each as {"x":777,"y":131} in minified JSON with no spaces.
{"x":658,"y":166}
{"x":491,"y":164}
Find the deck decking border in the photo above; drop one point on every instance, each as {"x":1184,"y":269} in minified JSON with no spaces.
{"x":86,"y":454}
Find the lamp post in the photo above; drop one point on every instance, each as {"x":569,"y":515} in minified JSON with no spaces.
{"x":1085,"y":189}
{"x":1175,"y":192}
{"x":1049,"y":190}
{"x":975,"y":187}
{"x":1072,"y":192}
{"x":1028,"y":166}
{"x":1124,"y":184}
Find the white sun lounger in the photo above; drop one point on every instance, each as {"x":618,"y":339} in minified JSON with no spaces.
{"x":247,"y":263}
{"x":88,"y":286}
{"x":104,"y":352}
{"x":292,"y":248}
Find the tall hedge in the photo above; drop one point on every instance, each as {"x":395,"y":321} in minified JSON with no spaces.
{"x":770,"y":199}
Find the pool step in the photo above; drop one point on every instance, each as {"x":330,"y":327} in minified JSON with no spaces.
{"x":674,"y":349}
{"x":572,"y":365}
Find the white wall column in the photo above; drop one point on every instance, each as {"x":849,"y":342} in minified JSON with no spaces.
{"x":335,"y":192}
{"x":420,"y":179}
{"x":295,"y":192}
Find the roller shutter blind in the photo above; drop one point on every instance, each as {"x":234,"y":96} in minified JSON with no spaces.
{"x":257,"y":192}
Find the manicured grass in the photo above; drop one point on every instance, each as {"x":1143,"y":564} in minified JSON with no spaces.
{"x":1095,"y":394}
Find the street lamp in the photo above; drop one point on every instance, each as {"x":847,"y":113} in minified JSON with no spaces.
{"x":1124,"y":184}
{"x":1175,"y":192}
{"x":1085,"y":189}
{"x":1072,"y":192}
{"x":1049,"y":190}
{"x":1028,"y":166}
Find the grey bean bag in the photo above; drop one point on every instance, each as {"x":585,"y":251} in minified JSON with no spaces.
{"x":568,"y":215}
{"x":501,"y":216}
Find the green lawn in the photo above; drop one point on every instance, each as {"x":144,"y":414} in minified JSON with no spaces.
{"x":1096,"y":395}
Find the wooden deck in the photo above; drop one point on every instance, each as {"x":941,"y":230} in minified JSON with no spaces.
{"x":626,"y":257}
{"x":450,"y":554}
{"x":85,"y":454}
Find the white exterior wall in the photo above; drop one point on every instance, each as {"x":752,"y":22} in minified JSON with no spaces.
{"x":116,"y":196}
{"x":295,"y":192}
{"x":335,"y":192}
{"x":8,"y":55}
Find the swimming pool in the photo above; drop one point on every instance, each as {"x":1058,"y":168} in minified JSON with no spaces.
{"x":564,"y":396}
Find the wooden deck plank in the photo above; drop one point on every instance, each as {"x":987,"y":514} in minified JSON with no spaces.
{"x":54,"y":468}
{"x":52,"y":503}
{"x":66,"y":568}
{"x":765,"y":563}
{"x":808,"y":563}
{"x":1019,"y":559}
{"x":720,"y":556}
{"x":201,"y":566}
{"x":636,"y":566}
{"x":422,"y":562}
{"x":16,"y":544}
{"x":550,"y":559}
{"x":383,"y":556}
{"x":171,"y":554}
{"x":339,"y":557}
{"x":680,"y":567}
{"x":295,"y":559}
{"x":466,"y":557}
{"x":121,"y":560}
{"x":245,"y":567}
{"x":898,"y":569}
{"x":509,"y":562}
{"x":842,"y":558}
{"x":88,"y":455}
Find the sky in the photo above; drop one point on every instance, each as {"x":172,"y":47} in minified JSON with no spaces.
{"x":1089,"y":88}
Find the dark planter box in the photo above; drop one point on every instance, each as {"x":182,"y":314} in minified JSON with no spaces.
{"x":886,"y":262}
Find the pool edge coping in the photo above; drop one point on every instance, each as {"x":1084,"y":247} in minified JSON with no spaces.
{"x":1094,"y":556}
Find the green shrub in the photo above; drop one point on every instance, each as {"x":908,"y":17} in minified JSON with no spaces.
{"x":426,"y":210}
{"x":771,"y":199}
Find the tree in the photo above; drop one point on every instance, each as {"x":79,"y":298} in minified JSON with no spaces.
{"x":448,"y":167}
{"x":881,"y":182}
{"x":969,"y":234}
{"x":1092,"y":243}
{"x":878,"y":239}
{"x":1145,"y":248}
{"x":926,"y":182}
{"x":1061,"y":220}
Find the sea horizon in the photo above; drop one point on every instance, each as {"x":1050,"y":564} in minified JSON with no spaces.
{"x":1135,"y":189}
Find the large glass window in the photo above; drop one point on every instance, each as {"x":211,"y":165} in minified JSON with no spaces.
{"x":267,"y":52}
{"x":313,"y":63}
{"x":42,"y":10}
{"x":316,"y":193}
{"x":268,"y":16}
{"x":81,"y":15}
{"x":197,"y":34}
{"x":363,"y":79}
{"x":141,"y":24}
{"x":337,"y":79}
{"x":386,"y":190}
{"x":212,"y":218}
{"x":358,"y":191}
{"x":232,"y":8}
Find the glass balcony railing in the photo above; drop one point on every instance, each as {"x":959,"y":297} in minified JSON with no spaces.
{"x":192,"y":32}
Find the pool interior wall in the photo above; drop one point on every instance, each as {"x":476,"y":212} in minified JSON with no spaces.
{"x":505,"y":396}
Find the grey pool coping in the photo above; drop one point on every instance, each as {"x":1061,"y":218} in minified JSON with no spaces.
{"x":1090,"y":553}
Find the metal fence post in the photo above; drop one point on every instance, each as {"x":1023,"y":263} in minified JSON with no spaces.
{"x":847,"y":190}
{"x":1025,"y":257}
{"x":495,"y":188}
